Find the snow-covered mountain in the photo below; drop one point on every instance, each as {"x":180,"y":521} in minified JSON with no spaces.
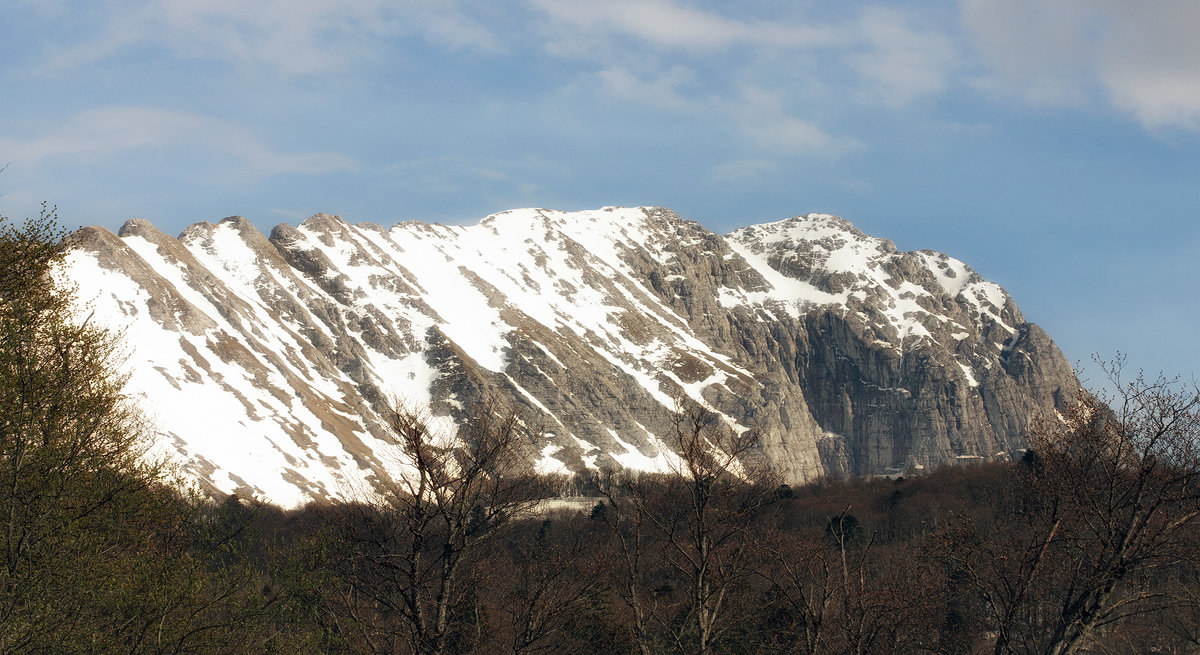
{"x":262,"y":362}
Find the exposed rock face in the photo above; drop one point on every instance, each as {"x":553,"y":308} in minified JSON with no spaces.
{"x":264,"y":362}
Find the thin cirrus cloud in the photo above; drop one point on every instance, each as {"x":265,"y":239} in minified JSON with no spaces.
{"x":901,"y":62}
{"x":292,"y":37}
{"x":788,"y":135}
{"x":741,"y":172}
{"x":1143,"y":59}
{"x":667,"y":24}
{"x":665,"y":90}
{"x":885,"y":51}
{"x":456,"y":173}
{"x":785,"y":69}
{"x":96,"y":135}
{"x":1033,"y":51}
{"x":760,"y":115}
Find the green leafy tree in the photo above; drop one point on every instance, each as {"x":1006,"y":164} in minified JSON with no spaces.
{"x":69,"y":448}
{"x":99,"y":553}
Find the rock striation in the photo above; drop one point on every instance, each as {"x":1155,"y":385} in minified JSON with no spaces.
{"x":264,"y":363}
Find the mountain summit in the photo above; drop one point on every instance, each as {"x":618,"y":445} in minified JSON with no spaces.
{"x":265,"y":362}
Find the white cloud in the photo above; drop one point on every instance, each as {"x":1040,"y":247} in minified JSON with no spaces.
{"x":661,"y":90}
{"x":1143,"y":58}
{"x":891,"y":54}
{"x":1150,"y":61}
{"x":288,"y":36}
{"x":796,"y":136}
{"x":667,"y":24}
{"x":902,"y":63}
{"x":717,"y":66}
{"x":454,"y":174}
{"x":1036,"y":50}
{"x":720,"y":62}
{"x":740,"y":172}
{"x":97,"y":135}
{"x":762,"y":117}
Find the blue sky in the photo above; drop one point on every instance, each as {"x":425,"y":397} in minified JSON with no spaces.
{"x":1053,"y":146}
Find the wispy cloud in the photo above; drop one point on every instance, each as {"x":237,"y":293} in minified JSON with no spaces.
{"x":96,"y":135}
{"x":452,"y":174}
{"x":740,"y":172}
{"x":902,"y":62}
{"x":663,"y":53}
{"x":669,"y":24}
{"x":291,"y":37}
{"x":1150,"y":62}
{"x":663,"y":89}
{"x":890,"y":53}
{"x":761,"y":115}
{"x":1036,"y":51}
{"x":1143,"y":59}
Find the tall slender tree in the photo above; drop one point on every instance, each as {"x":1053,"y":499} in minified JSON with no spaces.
{"x":416,"y":539}
{"x":698,"y":520}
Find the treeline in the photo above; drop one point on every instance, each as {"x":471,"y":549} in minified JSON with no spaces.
{"x":1087,"y":545}
{"x":942,"y":563}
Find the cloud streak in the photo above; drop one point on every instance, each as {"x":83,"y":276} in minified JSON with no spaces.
{"x":1143,"y":59}
{"x":902,"y":63}
{"x":664,"y":90}
{"x":97,"y":135}
{"x":292,"y":37}
{"x":666,"y":24}
{"x":776,"y":78}
{"x":761,"y":116}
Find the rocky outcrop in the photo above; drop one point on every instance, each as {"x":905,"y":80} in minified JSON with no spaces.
{"x":266,"y":362}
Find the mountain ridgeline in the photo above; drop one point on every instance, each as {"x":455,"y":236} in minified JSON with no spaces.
{"x":266,"y":363}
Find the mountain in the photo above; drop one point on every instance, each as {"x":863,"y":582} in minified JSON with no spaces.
{"x":264,"y":362}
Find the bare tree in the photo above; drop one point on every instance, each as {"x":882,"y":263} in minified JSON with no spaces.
{"x":841,"y":593}
{"x":541,"y":587}
{"x":801,"y":570}
{"x":417,"y":539}
{"x":1107,"y":499}
{"x":699,"y":518}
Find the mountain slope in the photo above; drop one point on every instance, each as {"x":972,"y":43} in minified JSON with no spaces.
{"x":263,"y":361}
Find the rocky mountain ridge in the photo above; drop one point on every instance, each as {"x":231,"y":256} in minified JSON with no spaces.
{"x":264,"y":361}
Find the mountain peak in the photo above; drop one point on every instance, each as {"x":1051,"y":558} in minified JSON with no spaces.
{"x":137,"y":227}
{"x":322,"y":222}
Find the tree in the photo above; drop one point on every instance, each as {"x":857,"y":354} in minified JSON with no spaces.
{"x":698,"y":518}
{"x":543,"y":591}
{"x":98,"y":551}
{"x":1073,"y":544}
{"x":415,"y":540}
{"x":70,"y":471}
{"x":842,"y":593}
